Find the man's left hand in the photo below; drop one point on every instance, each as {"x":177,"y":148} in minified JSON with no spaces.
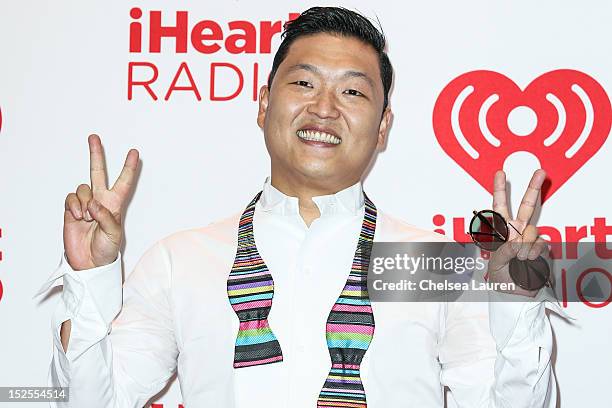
{"x":527,"y":246}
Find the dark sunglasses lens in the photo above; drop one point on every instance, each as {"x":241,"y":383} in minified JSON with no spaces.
{"x":529,"y":274}
{"x":489,"y":230}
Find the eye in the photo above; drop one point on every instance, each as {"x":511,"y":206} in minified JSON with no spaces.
{"x":303,"y":83}
{"x":353,"y":92}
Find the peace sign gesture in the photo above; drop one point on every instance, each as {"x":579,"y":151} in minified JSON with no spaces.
{"x":523,"y":241}
{"x":92,"y":218}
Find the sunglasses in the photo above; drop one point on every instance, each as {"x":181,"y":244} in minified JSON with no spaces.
{"x":489,"y":230}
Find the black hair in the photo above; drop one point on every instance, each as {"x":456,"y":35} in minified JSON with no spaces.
{"x":341,"y":21}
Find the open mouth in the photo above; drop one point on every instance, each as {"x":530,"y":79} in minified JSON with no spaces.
{"x":318,"y":136}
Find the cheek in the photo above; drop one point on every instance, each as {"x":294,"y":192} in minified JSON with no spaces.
{"x":278,"y":127}
{"x":363,"y":125}
{"x":286,"y":105}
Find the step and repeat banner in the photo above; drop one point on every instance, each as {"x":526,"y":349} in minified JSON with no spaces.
{"x":478,"y":86}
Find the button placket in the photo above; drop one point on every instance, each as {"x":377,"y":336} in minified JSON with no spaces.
{"x":297,"y":346}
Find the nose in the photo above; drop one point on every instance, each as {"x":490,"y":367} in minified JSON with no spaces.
{"x":324,"y":105}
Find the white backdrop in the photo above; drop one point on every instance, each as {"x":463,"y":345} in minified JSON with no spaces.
{"x":64,"y":75}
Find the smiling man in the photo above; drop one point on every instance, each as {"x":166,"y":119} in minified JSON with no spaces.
{"x":325,"y":110}
{"x":283,"y":320}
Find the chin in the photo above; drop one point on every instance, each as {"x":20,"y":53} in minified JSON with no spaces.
{"x":316,"y":168}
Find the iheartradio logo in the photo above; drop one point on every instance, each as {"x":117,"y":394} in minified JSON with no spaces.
{"x":223,"y":75}
{"x":562,"y":117}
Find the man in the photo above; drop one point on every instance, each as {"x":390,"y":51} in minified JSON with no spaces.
{"x":275,"y":322}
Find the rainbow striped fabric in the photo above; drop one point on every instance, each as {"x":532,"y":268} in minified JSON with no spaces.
{"x":350,"y":324}
{"x":250,"y":289}
{"x":350,"y":327}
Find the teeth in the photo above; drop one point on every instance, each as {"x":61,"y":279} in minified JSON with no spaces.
{"x":318,"y":136}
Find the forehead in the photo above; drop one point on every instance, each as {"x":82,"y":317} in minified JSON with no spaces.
{"x":333,"y":53}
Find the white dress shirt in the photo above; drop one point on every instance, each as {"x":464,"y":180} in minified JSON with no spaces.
{"x":175,"y":316}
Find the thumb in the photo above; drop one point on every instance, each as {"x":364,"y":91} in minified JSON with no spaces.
{"x":504,"y":254}
{"x":109,"y":225}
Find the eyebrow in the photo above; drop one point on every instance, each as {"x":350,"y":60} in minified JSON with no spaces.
{"x":347,"y":74}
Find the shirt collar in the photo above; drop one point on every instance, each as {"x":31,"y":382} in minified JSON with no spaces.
{"x":349,"y":201}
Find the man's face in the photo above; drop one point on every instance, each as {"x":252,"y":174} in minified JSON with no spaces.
{"x":322,"y":116}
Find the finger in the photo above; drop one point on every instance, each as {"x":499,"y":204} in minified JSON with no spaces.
{"x":73,"y":206}
{"x":97,"y":166}
{"x":531,"y":197}
{"x":109,"y":225}
{"x":84,"y":195}
{"x":539,"y":248}
{"x":504,"y":254}
{"x":500,"y":200}
{"x":127,"y":177}
{"x":530,"y":235}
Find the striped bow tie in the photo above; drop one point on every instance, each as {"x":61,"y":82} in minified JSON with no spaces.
{"x":350,"y":324}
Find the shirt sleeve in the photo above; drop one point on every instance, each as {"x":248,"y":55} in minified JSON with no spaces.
{"x":498,"y":355}
{"x":118,"y":355}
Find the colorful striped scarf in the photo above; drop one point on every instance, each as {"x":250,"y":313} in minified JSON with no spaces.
{"x":350,"y":324}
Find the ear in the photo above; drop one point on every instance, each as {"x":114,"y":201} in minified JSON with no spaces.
{"x":264,"y":93}
{"x":383,"y":129}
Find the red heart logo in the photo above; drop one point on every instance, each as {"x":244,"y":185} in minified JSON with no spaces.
{"x":572,"y":121}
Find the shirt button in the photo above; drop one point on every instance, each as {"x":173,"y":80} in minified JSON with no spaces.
{"x":307,"y":271}
{"x":300,"y":348}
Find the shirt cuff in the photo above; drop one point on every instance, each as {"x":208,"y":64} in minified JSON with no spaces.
{"x":90,"y":298}
{"x":517,"y":318}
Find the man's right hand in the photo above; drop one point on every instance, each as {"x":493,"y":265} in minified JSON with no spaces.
{"x":93,"y":214}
